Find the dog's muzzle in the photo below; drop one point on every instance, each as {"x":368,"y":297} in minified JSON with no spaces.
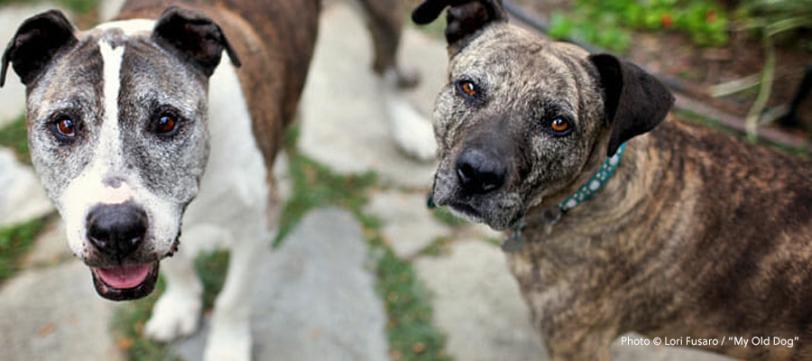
{"x":117,"y":231}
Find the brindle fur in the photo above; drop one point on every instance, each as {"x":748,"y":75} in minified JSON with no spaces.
{"x":697,"y":234}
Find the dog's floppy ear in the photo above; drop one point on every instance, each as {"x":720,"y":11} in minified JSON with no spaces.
{"x":464,"y":18}
{"x":634,"y":101}
{"x":37,"y":42}
{"x":195,"y":37}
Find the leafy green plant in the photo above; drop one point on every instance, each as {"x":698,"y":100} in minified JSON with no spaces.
{"x":774,"y":18}
{"x":607,"y":23}
{"x":771,"y":20}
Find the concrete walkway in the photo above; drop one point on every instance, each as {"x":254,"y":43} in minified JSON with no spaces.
{"x":314,"y":298}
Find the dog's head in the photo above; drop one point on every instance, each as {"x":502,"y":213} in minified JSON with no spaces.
{"x":117,"y":128}
{"x":524,"y":121}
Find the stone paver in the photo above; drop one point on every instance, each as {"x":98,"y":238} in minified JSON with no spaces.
{"x":21,"y":196}
{"x":55,"y":314}
{"x":315,"y":299}
{"x":12,"y":94}
{"x":408,"y":225}
{"x":50,"y":247}
{"x":477,"y":303}
{"x":344,"y":124}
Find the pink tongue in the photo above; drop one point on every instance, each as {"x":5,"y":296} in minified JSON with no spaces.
{"x":125,"y":276}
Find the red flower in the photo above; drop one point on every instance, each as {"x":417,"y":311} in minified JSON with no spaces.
{"x":710,"y":16}
{"x":666,"y":20}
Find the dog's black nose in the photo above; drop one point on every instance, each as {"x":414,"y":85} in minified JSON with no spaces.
{"x":479,"y":172}
{"x":117,"y":230}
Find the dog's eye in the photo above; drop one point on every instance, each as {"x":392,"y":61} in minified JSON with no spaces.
{"x":166,"y":123}
{"x":468,"y":88}
{"x":64,"y":127}
{"x":559,"y":126}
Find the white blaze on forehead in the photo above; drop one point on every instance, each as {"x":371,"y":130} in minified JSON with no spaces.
{"x":112,"y":59}
{"x":109,"y":152}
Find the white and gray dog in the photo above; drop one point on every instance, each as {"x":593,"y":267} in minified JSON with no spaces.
{"x":131,"y":121}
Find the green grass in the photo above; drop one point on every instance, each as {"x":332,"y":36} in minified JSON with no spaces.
{"x":212,"y":268}
{"x":77,"y":6}
{"x":446,"y":217}
{"x":15,"y":242}
{"x":80,"y":6}
{"x":15,"y":136}
{"x":315,"y":185}
{"x":437,"y":247}
{"x":410,"y":332}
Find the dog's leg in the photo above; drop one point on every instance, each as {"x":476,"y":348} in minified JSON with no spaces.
{"x":384,"y":20}
{"x":230,"y":335}
{"x":177,"y":312}
{"x":412,"y":131}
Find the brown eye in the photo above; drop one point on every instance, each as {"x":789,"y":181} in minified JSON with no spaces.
{"x":66,"y":127}
{"x":469,"y":88}
{"x":166,"y":124}
{"x":560,"y":126}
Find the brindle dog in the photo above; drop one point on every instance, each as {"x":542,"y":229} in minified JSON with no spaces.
{"x":697,"y":233}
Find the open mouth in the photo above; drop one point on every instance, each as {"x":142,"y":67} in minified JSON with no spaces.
{"x":127,"y":282}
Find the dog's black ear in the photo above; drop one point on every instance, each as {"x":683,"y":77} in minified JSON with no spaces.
{"x":37,"y":42}
{"x":464,"y":18}
{"x":634,"y":101}
{"x":195,"y":37}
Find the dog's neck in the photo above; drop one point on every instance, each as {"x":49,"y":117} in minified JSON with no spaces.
{"x":585,"y":191}
{"x":639,"y":169}
{"x":595,"y":183}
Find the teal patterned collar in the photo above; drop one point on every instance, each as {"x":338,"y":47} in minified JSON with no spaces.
{"x":594,"y":184}
{"x":514,"y":242}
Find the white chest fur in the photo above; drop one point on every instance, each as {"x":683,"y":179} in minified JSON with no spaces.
{"x":234,"y":189}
